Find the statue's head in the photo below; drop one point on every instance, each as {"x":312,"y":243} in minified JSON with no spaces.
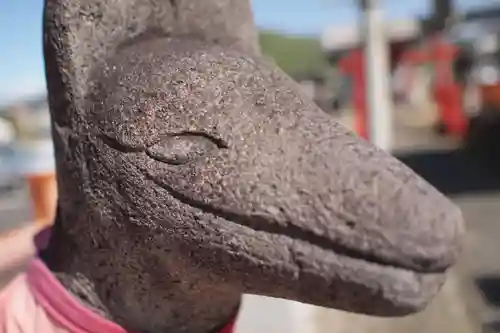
{"x":196,"y":148}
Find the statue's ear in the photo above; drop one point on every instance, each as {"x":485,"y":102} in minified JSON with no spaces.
{"x":78,"y":35}
{"x":219,"y":21}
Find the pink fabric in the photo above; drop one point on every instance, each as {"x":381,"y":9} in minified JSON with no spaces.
{"x":35,"y":302}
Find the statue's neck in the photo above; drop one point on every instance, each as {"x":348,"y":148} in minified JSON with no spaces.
{"x":137,"y":292}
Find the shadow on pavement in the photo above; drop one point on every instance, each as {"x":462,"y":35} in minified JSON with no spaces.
{"x":489,"y":287}
{"x":453,"y":171}
{"x":492,"y":327}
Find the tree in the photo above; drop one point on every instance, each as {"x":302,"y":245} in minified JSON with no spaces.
{"x":297,"y":56}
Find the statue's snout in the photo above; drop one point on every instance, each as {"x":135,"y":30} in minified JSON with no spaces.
{"x":338,"y":206}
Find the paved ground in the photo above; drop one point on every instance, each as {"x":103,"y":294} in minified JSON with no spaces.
{"x":461,"y":307}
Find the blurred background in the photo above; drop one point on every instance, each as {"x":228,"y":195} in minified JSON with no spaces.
{"x":442,"y":111}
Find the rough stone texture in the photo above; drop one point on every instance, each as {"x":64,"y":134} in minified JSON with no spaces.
{"x":191,"y":171}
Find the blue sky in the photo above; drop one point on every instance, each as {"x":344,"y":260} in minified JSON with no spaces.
{"x":21,"y":62}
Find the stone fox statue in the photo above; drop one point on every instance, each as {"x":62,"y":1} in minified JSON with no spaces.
{"x":192,"y":171}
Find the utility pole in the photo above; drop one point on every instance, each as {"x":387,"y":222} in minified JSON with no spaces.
{"x":377,"y":75}
{"x":443,"y":10}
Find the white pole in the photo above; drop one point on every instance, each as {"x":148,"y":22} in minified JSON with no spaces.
{"x":378,"y":76}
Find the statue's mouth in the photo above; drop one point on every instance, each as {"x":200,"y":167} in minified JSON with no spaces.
{"x":290,"y":231}
{"x":304,"y":256}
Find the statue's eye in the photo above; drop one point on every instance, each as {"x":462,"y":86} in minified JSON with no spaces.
{"x":184,"y":148}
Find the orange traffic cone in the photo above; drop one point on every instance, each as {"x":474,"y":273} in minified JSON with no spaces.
{"x":43,"y":192}
{"x":34,"y":161}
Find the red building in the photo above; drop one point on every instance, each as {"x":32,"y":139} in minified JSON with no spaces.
{"x":343,"y":46}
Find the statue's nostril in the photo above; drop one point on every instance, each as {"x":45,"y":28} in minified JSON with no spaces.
{"x":350,"y":224}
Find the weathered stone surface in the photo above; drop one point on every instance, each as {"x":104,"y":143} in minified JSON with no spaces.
{"x":191,"y":171}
